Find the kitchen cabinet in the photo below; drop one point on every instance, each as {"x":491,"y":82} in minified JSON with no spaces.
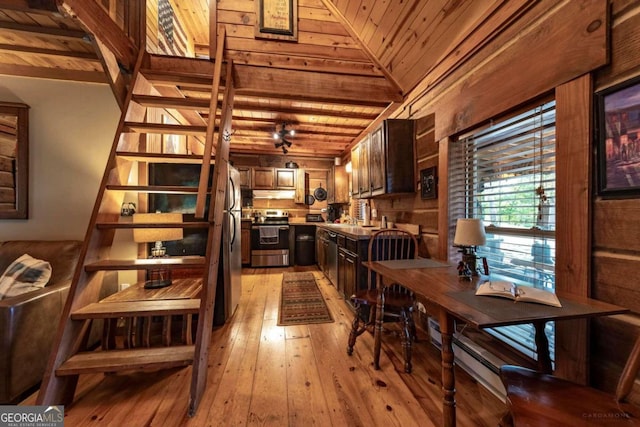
{"x":245,"y":176}
{"x":347,"y":272}
{"x":355,"y":170}
{"x":263,"y":178}
{"x":285,"y":179}
{"x":385,"y":160}
{"x":338,"y":185}
{"x":245,"y":241}
{"x":302,"y":186}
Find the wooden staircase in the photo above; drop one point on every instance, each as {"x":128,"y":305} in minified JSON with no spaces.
{"x":69,"y":358}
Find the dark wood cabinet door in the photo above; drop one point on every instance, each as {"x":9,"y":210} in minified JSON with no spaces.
{"x":377,"y":166}
{"x":355,"y":172}
{"x":364,"y":179}
{"x":350,"y":274}
{"x":245,"y":246}
{"x":342,"y":269}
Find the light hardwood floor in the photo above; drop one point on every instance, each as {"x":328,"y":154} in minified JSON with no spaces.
{"x":264,"y":374}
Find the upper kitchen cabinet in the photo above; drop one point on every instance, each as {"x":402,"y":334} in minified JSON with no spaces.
{"x":302,"y":186}
{"x":361,"y":183}
{"x":262,"y":178}
{"x":285,"y":179}
{"x":338,"y":185}
{"x":245,"y":176}
{"x":385,"y":160}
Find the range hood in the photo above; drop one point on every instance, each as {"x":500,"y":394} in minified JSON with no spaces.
{"x":274,"y":194}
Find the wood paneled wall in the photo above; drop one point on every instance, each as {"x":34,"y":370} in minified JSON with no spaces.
{"x":537,"y":55}
{"x":616,"y":223}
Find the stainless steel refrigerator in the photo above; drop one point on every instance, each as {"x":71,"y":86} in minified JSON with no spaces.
{"x":231,"y":250}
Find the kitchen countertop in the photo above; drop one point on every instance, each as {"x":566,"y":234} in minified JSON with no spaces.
{"x":355,"y":231}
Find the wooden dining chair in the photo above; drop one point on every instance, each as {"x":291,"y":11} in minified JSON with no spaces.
{"x":387,"y":244}
{"x":536,"y":399}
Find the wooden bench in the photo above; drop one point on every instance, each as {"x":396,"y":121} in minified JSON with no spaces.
{"x":537,"y":399}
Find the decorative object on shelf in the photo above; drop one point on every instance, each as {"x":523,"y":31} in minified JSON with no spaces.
{"x":291,"y":165}
{"x":158,"y":277}
{"x":127,"y":209}
{"x":428,"y":183}
{"x":618,"y":118}
{"x":277,"y":19}
{"x":469,"y":235}
{"x":280,"y":137}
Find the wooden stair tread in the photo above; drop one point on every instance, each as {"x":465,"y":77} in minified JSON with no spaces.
{"x":165,"y":189}
{"x":132,"y":225}
{"x":161,"y":157}
{"x":168,"y":78}
{"x":165,"y":128}
{"x":144,"y":264}
{"x":157,"y":307}
{"x":199,"y":104}
{"x":126,"y":360}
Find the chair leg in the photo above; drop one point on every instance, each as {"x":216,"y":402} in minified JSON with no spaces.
{"x":407,"y":335}
{"x":358,"y":326}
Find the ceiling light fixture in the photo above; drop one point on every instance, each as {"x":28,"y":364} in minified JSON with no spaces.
{"x":280,"y":135}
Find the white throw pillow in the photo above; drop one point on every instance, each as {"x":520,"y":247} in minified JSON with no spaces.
{"x":25,"y":274}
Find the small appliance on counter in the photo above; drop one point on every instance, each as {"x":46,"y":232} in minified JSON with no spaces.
{"x":314,"y":218}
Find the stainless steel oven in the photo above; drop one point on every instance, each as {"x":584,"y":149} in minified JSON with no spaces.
{"x":270,"y":239}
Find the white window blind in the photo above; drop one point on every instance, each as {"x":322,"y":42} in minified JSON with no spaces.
{"x":505,"y":174}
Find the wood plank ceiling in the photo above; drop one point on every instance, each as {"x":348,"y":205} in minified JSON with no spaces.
{"x":353,"y":64}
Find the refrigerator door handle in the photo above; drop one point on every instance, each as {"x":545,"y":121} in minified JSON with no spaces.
{"x":233,"y":236}
{"x":233,"y":195}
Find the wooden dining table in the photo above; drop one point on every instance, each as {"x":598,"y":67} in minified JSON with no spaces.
{"x":452,"y":299}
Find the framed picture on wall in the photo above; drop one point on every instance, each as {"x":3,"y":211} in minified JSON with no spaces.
{"x":428,"y":183}
{"x":277,"y":19}
{"x":618,"y":139}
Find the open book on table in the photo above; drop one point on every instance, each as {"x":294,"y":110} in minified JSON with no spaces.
{"x":504,"y":289}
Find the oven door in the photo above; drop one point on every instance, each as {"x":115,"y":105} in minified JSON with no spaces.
{"x":269,"y":245}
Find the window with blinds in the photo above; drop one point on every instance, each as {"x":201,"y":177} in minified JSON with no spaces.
{"x":504,"y":174}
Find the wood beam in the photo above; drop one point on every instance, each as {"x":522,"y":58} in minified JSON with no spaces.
{"x":100,"y":24}
{"x":309,"y":85}
{"x":28,"y":50}
{"x":259,"y":81}
{"x":31,"y":6}
{"x":58,"y":33}
{"x":53,"y":73}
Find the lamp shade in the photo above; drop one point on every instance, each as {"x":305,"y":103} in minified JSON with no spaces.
{"x":144,"y":235}
{"x":469,"y":232}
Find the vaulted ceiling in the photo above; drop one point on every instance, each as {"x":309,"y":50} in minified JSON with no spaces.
{"x":355,"y":62}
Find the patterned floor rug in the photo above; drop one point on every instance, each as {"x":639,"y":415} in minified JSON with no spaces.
{"x":301,"y":302}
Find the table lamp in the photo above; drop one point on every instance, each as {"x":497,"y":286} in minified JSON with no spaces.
{"x":158,"y":277}
{"x":469,"y":235}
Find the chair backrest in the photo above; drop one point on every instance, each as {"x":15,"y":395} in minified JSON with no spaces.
{"x":629,"y":373}
{"x":390,"y":244}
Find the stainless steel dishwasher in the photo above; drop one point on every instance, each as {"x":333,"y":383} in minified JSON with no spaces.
{"x":327,"y":254}
{"x":332,"y":258}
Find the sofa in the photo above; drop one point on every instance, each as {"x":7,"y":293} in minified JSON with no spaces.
{"x":28,"y":322}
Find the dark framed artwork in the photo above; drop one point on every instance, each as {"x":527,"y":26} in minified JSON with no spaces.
{"x":429,"y":183}
{"x":277,"y":19}
{"x":617,"y":139}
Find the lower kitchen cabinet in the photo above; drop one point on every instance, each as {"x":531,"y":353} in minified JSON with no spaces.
{"x":347,"y":272}
{"x":245,"y":241}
